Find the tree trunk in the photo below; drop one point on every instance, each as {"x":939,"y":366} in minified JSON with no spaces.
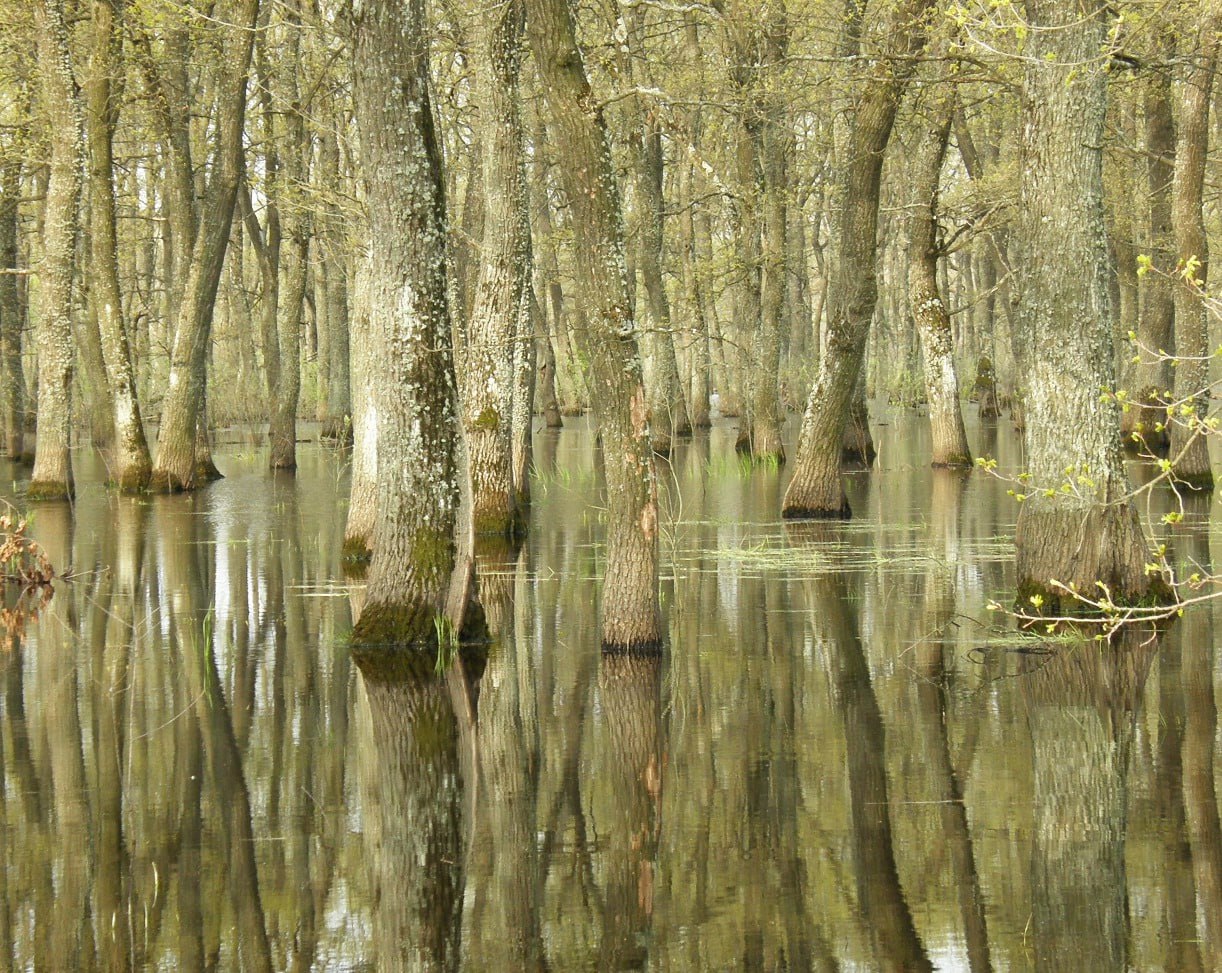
{"x":928,"y":308}
{"x":362,"y":496}
{"x":504,"y":276}
{"x":816,"y":489}
{"x":176,"y":466}
{"x":337,"y":418}
{"x":1143,"y":424}
{"x":1076,"y":525}
{"x":52,"y":476}
{"x":630,"y":619}
{"x":12,"y":377}
{"x":1189,"y":442}
{"x":132,"y":463}
{"x":414,"y":391}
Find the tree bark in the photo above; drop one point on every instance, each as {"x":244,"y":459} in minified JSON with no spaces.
{"x":337,"y":418}
{"x":414,"y":389}
{"x":362,"y":495}
{"x":928,"y":307}
{"x":177,"y":466}
{"x":1189,"y":443}
{"x":504,"y":277}
{"x":1076,"y":525}
{"x":132,"y":463}
{"x":52,"y":475}
{"x":816,"y":490}
{"x":629,"y":614}
{"x":11,"y":317}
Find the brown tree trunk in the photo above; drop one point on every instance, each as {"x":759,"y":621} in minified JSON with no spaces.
{"x":1189,"y":442}
{"x":132,"y":463}
{"x":176,"y":467}
{"x":1076,"y":525}
{"x":816,"y":489}
{"x":337,"y":418}
{"x":362,"y":495}
{"x":630,"y":618}
{"x":1143,"y":423}
{"x":52,"y":476}
{"x":928,"y":307}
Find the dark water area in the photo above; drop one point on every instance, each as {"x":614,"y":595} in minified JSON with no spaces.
{"x":842,"y":761}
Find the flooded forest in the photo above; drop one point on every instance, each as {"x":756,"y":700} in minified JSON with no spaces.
{"x":668,"y":485}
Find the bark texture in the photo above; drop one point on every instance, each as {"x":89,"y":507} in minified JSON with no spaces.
{"x":131,"y":462}
{"x":11,"y":318}
{"x":1076,"y":526}
{"x":816,"y":490}
{"x":52,"y":476}
{"x":414,"y":392}
{"x":950,"y":446}
{"x":629,"y":615}
{"x":1189,"y":445}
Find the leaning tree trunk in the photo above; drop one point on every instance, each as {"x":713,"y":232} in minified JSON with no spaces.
{"x":52,"y":476}
{"x":1189,"y":445}
{"x":414,"y":398}
{"x":176,"y":467}
{"x":12,"y":422}
{"x":1076,"y":525}
{"x":630,"y":618}
{"x":1144,"y":422}
{"x":132,"y":463}
{"x":816,"y":490}
{"x":928,"y":308}
{"x":504,"y":276}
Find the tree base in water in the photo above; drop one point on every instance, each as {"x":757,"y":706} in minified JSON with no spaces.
{"x":49,"y":490}
{"x":134,"y":480}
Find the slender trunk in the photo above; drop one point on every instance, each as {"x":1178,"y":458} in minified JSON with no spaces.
{"x":630,"y":618}
{"x":177,"y":464}
{"x":362,"y":495}
{"x":1143,"y":423}
{"x":52,"y":476}
{"x":1189,"y":442}
{"x":12,"y":377}
{"x":132,"y":463}
{"x":337,"y":418}
{"x":816,"y":489}
{"x":928,"y":308}
{"x":504,"y":276}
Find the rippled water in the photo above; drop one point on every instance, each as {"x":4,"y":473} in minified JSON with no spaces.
{"x":842,"y":760}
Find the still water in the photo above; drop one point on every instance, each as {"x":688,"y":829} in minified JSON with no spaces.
{"x":842,"y":761}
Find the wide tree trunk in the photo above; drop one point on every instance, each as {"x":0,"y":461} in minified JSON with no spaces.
{"x":1143,"y":424}
{"x":1189,"y":444}
{"x":630,"y":618}
{"x":52,"y":476}
{"x":1076,"y":525}
{"x":177,"y":466}
{"x":131,"y":462}
{"x":816,"y":490}
{"x":928,"y":306}
{"x":504,"y":277}
{"x":409,"y":320}
{"x":12,"y":377}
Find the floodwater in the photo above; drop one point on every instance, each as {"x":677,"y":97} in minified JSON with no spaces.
{"x":842,"y":761}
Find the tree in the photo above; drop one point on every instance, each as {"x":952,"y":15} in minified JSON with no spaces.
{"x":52,"y":476}
{"x":816,"y":490}
{"x":629,"y":610}
{"x":412,"y":376}
{"x":1077,"y":525}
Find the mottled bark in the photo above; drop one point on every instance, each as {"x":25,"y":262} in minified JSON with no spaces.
{"x":131,"y":462}
{"x":490,"y":350}
{"x":629,"y":610}
{"x":366,"y":362}
{"x":414,"y":393}
{"x":522,"y":411}
{"x":816,"y":489}
{"x":1076,"y":526}
{"x":928,"y":306}
{"x":1189,"y":445}
{"x":177,"y":464}
{"x":52,"y":475}
{"x":12,"y":377}
{"x":332,"y":267}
